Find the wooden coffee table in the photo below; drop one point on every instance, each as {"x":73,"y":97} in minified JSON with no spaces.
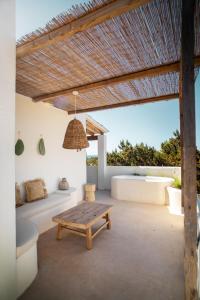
{"x":80,"y":219}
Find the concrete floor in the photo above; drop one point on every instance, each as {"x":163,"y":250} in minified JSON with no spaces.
{"x":140,"y":258}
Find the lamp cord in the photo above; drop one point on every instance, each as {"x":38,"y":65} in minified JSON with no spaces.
{"x":75,"y":106}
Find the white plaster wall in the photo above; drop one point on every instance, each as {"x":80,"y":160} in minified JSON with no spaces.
{"x":7,"y":172}
{"x":92,"y":174}
{"x":33,"y":120}
{"x":127,"y":170}
{"x":102,"y":161}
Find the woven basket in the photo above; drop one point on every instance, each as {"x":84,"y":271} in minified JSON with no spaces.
{"x":75,"y":136}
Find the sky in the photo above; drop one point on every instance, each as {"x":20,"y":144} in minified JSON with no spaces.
{"x":150,"y":123}
{"x":32,"y":14}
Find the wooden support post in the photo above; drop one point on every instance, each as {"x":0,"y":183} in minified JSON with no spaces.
{"x":188,"y":143}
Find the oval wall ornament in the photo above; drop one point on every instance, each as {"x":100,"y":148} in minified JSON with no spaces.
{"x":41,"y":147}
{"x":19,"y":147}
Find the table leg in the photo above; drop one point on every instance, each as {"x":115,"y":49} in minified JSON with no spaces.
{"x":108,"y":220}
{"x":59,"y":231}
{"x":89,"y":238}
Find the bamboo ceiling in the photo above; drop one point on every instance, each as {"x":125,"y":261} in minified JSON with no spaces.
{"x":139,"y":39}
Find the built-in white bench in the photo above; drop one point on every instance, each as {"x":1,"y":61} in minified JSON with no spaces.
{"x":33,"y":219}
{"x":41,"y":212}
{"x":26,"y":241}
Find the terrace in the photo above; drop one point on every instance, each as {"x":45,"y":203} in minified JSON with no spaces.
{"x":114,"y":53}
{"x":140,"y":258}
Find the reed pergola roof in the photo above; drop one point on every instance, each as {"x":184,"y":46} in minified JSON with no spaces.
{"x":114,"y":53}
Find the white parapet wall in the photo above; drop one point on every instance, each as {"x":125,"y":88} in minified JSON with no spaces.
{"x":92,"y":173}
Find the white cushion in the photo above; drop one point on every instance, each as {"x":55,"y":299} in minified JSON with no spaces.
{"x":30,"y":209}
{"x":26,"y":236}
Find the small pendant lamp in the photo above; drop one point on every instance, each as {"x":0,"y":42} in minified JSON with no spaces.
{"x":75,"y":136}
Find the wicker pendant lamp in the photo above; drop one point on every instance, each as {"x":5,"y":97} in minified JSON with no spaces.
{"x":75,"y":136}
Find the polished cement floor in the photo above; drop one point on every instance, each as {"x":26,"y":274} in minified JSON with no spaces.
{"x":140,"y":258}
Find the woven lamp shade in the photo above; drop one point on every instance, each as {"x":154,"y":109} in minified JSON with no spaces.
{"x":75,"y":136}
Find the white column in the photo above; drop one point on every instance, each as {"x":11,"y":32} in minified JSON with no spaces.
{"x":102,"y":161}
{"x":7,"y":151}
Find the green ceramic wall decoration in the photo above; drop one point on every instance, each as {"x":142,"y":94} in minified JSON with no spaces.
{"x":41,"y":146}
{"x":19,"y":147}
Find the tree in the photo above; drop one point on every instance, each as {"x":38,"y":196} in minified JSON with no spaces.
{"x":92,"y":161}
{"x":171,"y":150}
{"x":129,"y":155}
{"x":144,"y":155}
{"x":171,"y":154}
{"x":141,"y":154}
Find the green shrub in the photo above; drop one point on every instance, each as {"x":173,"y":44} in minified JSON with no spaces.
{"x":177,"y":183}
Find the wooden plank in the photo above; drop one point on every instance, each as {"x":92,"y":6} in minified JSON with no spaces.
{"x":93,"y":221}
{"x":127,"y":103}
{"x":74,"y":230}
{"x":105,"y":224}
{"x":187,"y":122}
{"x":150,"y":72}
{"x":96,"y":17}
{"x":92,"y":129}
{"x":95,"y":124}
{"x":88,"y":131}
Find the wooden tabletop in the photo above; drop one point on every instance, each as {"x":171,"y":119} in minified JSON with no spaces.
{"x":83,"y":215}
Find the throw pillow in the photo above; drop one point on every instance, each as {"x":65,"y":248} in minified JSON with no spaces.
{"x":35,"y":190}
{"x":18,"y":199}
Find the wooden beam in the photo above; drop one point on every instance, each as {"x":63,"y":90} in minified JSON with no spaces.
{"x":188,"y":142}
{"x":89,"y":20}
{"x":88,"y":131}
{"x":92,"y":128}
{"x":92,"y":137}
{"x":127,"y":103}
{"x":154,"y":71}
